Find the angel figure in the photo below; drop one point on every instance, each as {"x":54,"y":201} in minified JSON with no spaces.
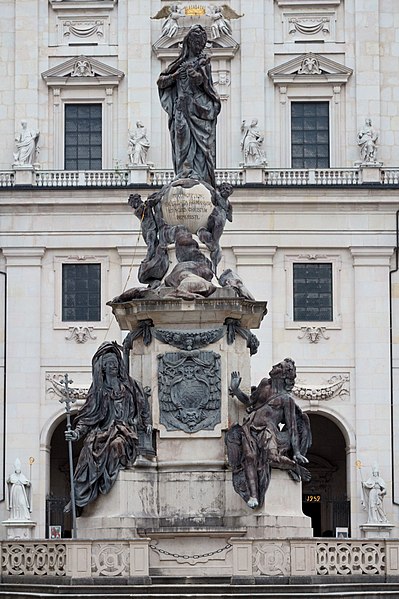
{"x":275,"y":433}
{"x":171,"y":13}
{"x":221,"y":16}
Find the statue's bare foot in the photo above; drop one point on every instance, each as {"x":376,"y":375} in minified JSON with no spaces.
{"x":252,"y":502}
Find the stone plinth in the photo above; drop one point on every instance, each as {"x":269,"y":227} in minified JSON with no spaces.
{"x":376,"y":531}
{"x":200,"y":312}
{"x":185,"y":351}
{"x":19,"y":529}
{"x":186,"y":498}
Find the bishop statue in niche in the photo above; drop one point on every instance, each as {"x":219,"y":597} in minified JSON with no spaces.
{"x":189,"y":391}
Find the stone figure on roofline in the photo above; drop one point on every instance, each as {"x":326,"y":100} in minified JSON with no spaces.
{"x":251,"y":144}
{"x":188,"y":96}
{"x":19,"y":501}
{"x":275,"y":433}
{"x":26,"y":145}
{"x":115,"y":407}
{"x":138,"y":145}
{"x":367,"y":140}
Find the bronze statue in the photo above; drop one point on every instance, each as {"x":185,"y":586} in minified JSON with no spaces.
{"x":188,"y":96}
{"x":115,"y":407}
{"x":275,"y":433}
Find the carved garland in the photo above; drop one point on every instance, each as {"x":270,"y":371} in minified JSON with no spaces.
{"x":336,"y":387}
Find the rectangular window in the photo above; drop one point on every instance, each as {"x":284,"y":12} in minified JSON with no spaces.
{"x":83,"y":137}
{"x":81,"y":292}
{"x":313,"y":292}
{"x":310,"y":138}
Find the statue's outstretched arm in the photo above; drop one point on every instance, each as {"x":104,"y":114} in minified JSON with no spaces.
{"x":235,"y":381}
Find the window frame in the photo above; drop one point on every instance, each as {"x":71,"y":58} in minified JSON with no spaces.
{"x":98,"y":88}
{"x":311,"y":101}
{"x":313,"y":258}
{"x":100,"y":104}
{"x":103,"y":323}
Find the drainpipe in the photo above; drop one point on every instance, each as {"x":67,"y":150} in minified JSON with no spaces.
{"x":391,"y":273}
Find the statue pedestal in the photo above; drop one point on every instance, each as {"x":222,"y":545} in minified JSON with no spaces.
{"x":183,"y":500}
{"x":370,"y":172}
{"x":138,"y":173}
{"x":190,"y":497}
{"x":19,"y":529}
{"x":24,"y":174}
{"x":376,"y":531}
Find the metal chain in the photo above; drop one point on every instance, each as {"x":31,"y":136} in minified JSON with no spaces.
{"x":195,"y":556}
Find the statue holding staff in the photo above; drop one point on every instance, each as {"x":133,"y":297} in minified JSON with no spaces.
{"x":115,"y":407}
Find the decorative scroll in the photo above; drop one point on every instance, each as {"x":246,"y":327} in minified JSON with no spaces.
{"x":189,"y":340}
{"x":110,"y":559}
{"x":310,"y":66}
{"x":234,"y":327}
{"x":84,"y":28}
{"x":313,"y":334}
{"x":309,"y":26}
{"x":350,"y":558}
{"x":82,"y":68}
{"x":189,"y":390}
{"x":272,"y":559}
{"x":336,"y":387}
{"x":80,"y":334}
{"x":55,"y":387}
{"x":38,"y":559}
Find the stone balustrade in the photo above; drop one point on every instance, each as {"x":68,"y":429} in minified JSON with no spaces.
{"x":240,"y":558}
{"x":147,"y":175}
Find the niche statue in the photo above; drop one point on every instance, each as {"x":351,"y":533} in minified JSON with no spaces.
{"x":115,"y":407}
{"x":275,"y":433}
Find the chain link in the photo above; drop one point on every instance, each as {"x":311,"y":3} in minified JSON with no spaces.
{"x":195,"y":556}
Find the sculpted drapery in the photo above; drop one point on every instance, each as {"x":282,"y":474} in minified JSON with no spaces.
{"x":187,"y":94}
{"x":115,"y":406}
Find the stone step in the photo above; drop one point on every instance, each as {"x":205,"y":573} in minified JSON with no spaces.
{"x":358,"y":590}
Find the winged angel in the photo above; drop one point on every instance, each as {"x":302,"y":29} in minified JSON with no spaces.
{"x":220,"y":17}
{"x":171,"y":13}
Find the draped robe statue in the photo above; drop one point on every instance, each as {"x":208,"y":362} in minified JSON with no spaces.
{"x":115,"y":406}
{"x":187,"y":94}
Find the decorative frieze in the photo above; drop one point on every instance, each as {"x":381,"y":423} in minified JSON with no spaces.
{"x":336,"y":386}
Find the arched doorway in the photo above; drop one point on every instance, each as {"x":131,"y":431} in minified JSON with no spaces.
{"x":60,"y":481}
{"x":325,"y":497}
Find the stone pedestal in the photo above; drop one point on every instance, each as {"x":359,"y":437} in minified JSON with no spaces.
{"x":184,"y":500}
{"x":24,"y":174}
{"x":370,"y":172}
{"x":19,"y":529}
{"x":376,"y":531}
{"x":138,"y":173}
{"x":254,"y":174}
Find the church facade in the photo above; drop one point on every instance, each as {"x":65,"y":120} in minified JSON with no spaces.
{"x":307,"y":135}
